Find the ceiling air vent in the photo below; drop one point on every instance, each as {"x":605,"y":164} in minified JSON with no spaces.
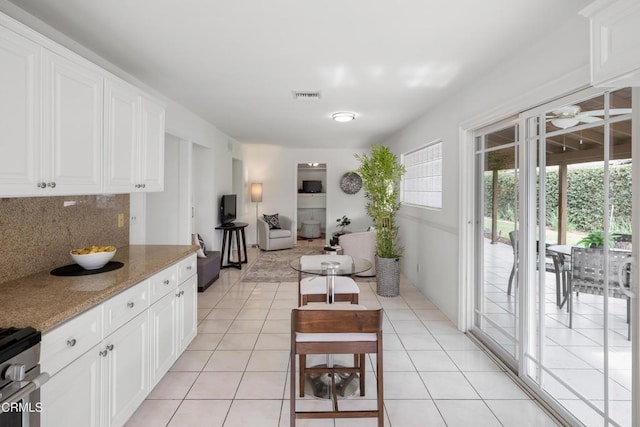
{"x":306,"y":95}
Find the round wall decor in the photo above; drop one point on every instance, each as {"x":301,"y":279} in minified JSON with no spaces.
{"x":351,"y":183}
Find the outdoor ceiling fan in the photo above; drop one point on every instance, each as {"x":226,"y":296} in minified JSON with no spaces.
{"x":571,"y":115}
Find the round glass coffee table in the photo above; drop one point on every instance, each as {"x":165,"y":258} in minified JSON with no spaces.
{"x":346,"y":384}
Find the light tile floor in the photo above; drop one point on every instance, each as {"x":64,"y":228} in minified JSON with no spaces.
{"x":235,"y":372}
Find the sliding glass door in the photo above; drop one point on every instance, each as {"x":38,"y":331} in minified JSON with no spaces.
{"x":496,"y":313}
{"x":554,"y":252}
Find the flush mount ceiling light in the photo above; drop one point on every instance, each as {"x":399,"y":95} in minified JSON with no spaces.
{"x":343,"y":116}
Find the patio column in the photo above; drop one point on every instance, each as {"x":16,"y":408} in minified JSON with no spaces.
{"x":562,"y":204}
{"x":494,"y":208}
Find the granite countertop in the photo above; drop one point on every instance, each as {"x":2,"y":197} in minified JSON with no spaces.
{"x":43,"y":301}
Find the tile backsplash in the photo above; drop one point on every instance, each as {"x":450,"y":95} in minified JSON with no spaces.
{"x":37,"y":233}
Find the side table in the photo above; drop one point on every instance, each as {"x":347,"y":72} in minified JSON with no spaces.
{"x":228,"y":232}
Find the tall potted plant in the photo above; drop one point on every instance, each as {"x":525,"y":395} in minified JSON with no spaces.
{"x":381,"y":173}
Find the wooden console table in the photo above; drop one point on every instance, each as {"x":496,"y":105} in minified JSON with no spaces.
{"x":228,"y":231}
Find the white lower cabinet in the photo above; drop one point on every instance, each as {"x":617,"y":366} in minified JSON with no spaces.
{"x":72,"y":396}
{"x":125,"y":370}
{"x":163,"y":335}
{"x":172,"y":327}
{"x":187,"y":313}
{"x":105,"y":385}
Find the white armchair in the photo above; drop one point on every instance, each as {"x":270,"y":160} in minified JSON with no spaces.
{"x":361,"y":245}
{"x":277,"y":238}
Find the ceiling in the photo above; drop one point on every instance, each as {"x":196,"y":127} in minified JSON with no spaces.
{"x":236,"y":63}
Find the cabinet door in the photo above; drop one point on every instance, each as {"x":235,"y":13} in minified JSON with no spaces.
{"x":120,"y":137}
{"x":615,"y":42}
{"x":72,"y":127}
{"x":163,"y":340}
{"x":151,"y":149}
{"x":125,"y":370}
{"x":72,"y":396}
{"x":20,"y":102}
{"x":187,"y":312}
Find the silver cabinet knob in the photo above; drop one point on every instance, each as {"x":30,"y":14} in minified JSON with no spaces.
{"x":189,"y":267}
{"x":166,"y":282}
{"x":144,"y":185}
{"x":130,"y":304}
{"x":110,"y":347}
{"x":178,"y":294}
{"x":104,"y":353}
{"x":51,"y":185}
{"x":71,"y":342}
{"x":42,"y":185}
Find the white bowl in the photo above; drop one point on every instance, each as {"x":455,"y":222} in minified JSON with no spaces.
{"x":93,"y":261}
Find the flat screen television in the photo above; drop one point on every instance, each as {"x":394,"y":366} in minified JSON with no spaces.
{"x":312,"y":186}
{"x":228,"y":209}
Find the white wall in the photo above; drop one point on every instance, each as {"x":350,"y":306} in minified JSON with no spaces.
{"x":276,"y":168}
{"x":430,"y":237}
{"x":162,"y":208}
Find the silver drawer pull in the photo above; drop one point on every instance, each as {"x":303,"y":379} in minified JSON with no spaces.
{"x":181,"y":293}
{"x":189,"y":267}
{"x":166,"y":282}
{"x":130,"y":304}
{"x":71,"y":342}
{"x":104,"y":353}
{"x":110,"y":347}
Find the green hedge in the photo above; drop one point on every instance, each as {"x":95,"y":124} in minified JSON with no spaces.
{"x":585,"y":197}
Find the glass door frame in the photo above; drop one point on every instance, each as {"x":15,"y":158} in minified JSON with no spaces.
{"x":527,"y":213}
{"x":478,"y":272}
{"x":529,"y":218}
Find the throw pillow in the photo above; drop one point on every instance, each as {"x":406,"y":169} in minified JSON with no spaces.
{"x":197,"y":240}
{"x":202,"y":245}
{"x":272,"y":220}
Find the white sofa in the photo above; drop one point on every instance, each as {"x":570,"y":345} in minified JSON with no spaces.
{"x":277,"y":238}
{"x":361,"y":245}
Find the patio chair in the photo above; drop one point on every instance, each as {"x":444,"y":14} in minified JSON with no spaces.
{"x":588,"y":276}
{"x":554,"y":263}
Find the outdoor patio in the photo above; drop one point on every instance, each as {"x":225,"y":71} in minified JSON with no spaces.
{"x":576,"y":356}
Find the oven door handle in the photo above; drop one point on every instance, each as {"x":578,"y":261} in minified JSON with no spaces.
{"x":32,"y":385}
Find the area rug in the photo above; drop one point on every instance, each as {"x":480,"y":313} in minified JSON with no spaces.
{"x":273,"y":266}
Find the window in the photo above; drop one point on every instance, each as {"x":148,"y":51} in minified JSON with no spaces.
{"x":422,"y":183}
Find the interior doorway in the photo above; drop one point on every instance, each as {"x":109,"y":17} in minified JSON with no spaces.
{"x":311,"y":212}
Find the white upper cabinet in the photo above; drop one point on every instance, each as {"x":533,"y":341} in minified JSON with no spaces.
{"x":120,"y":137}
{"x":615,"y":42}
{"x":20,"y":101}
{"x":151,"y":150}
{"x":69,"y":127}
{"x":134,"y":140}
{"x":72,"y":138}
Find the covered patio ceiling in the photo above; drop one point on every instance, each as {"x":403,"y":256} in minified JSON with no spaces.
{"x":582,"y":143}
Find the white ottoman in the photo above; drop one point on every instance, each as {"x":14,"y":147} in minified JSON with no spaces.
{"x":310,"y":229}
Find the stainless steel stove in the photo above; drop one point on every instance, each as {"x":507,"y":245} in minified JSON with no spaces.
{"x":20,"y":377}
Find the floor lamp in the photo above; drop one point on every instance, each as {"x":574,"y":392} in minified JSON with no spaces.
{"x":256,"y":197}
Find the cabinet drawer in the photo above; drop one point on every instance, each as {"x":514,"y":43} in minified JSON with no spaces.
{"x":187,"y":268}
{"x":125,"y":306}
{"x":70,"y":340}
{"x":163,"y":282}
